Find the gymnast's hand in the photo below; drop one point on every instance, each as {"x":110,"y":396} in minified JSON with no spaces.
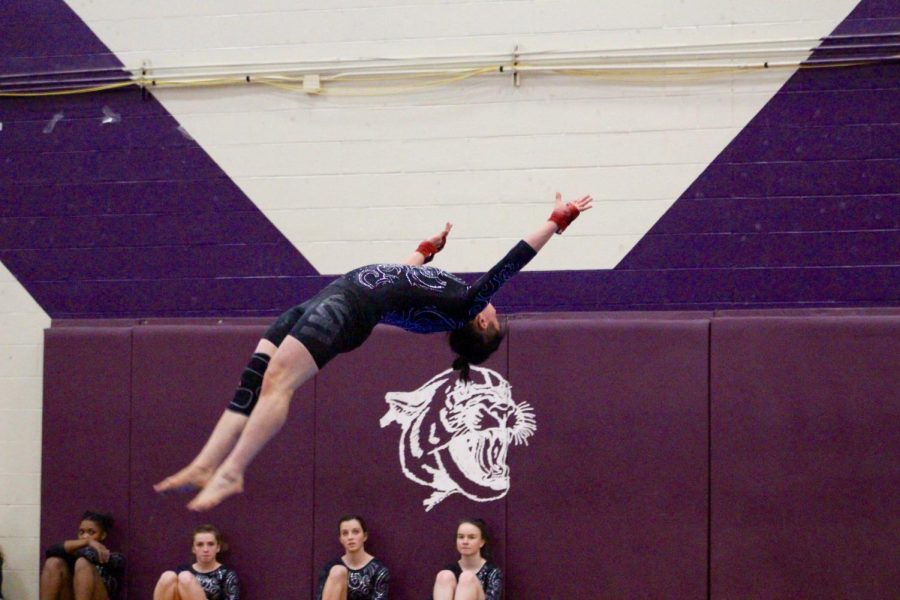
{"x":430,"y":246}
{"x":102,"y":551}
{"x":439,"y":240}
{"x":564,"y":213}
{"x":582,"y":204}
{"x":562,"y":216}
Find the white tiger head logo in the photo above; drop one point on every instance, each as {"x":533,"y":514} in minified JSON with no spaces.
{"x":456,"y":435}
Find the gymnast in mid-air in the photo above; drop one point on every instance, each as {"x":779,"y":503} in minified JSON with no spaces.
{"x":415,"y":297}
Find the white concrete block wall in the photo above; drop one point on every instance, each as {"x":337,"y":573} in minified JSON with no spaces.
{"x":22,"y":324}
{"x":347,"y":177}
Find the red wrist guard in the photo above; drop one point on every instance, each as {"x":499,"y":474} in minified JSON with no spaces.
{"x":563,"y":216}
{"x":428,"y":250}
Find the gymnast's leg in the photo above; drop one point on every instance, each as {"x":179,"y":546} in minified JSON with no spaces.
{"x":220,"y":442}
{"x":182,"y":586}
{"x":167,"y":587}
{"x":291,"y":366}
{"x":234,"y":419}
{"x":56,"y":580}
{"x":469,"y":587}
{"x":337,"y":583}
{"x":444,"y":585}
{"x":87,"y":582}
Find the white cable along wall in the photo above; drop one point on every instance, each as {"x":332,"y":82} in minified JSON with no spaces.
{"x":377,"y":76}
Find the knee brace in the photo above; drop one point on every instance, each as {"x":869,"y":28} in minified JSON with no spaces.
{"x":247,"y":393}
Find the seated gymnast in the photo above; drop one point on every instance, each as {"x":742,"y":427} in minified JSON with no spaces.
{"x":472,"y":577}
{"x":339,"y":318}
{"x":83,"y":568}
{"x":357,"y":575}
{"x":206,"y":578}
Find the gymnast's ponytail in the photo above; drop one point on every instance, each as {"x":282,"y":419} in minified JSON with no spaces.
{"x":462,"y":365}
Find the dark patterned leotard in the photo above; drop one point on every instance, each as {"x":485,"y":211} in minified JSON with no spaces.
{"x":420,"y":299}
{"x":368,"y":583}
{"x":220,"y":584}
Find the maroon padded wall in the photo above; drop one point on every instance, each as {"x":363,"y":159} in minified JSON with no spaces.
{"x":86,"y":432}
{"x":183,"y":379}
{"x":609,"y":499}
{"x":805,"y":448}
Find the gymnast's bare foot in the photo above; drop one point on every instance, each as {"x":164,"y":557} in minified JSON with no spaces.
{"x":221,"y":486}
{"x":191,"y":478}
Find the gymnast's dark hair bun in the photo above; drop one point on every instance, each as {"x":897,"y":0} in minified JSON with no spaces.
{"x":473,"y":346}
{"x":103,"y":520}
{"x":353,"y":517}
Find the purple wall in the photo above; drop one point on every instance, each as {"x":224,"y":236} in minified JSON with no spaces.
{"x":129,"y":218}
{"x":181,"y":383}
{"x":801,"y":209}
{"x":613,"y":490}
{"x":674,"y":455}
{"x":86,"y":417}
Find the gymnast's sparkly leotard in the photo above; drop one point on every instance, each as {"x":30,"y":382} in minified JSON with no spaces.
{"x":219,"y":584}
{"x":420,"y":299}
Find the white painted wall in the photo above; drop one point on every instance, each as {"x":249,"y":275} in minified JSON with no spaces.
{"x":22,"y":324}
{"x":355,"y":180}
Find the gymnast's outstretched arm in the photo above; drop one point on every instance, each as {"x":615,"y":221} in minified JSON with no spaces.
{"x":520,"y":255}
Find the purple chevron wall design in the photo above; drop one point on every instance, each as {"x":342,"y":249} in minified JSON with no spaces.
{"x":106,"y":216}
